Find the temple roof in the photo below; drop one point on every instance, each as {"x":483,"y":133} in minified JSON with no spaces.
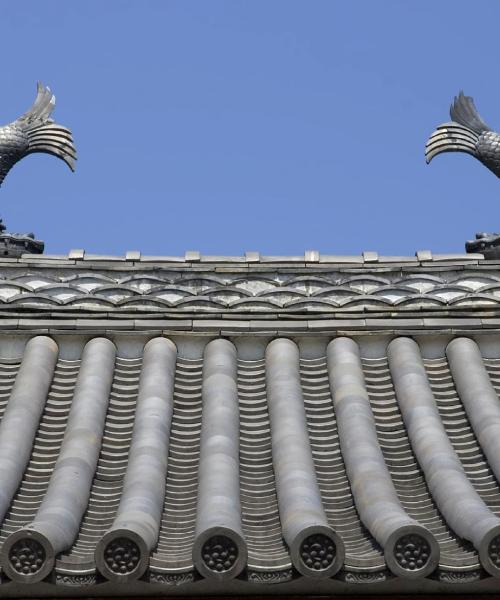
{"x":293,"y":423}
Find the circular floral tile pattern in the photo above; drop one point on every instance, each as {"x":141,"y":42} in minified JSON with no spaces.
{"x":318,"y":552}
{"x":494,"y":551}
{"x":122,"y":556}
{"x":27,"y":556}
{"x":219,"y":553}
{"x":412,"y":552}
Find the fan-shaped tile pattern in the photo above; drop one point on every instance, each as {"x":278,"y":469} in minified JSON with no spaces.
{"x":210,"y":290}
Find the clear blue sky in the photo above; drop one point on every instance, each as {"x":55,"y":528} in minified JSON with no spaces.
{"x":232,"y":125}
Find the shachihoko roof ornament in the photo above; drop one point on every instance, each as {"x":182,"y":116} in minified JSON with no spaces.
{"x":33,"y":132}
{"x":467,"y":132}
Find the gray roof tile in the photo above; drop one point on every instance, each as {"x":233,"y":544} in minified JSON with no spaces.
{"x":252,"y":256}
{"x":311,"y":256}
{"x":77,"y":254}
{"x":370,"y":257}
{"x":192,"y":256}
{"x":246,"y":433}
{"x":347,"y":463}
{"x":223,"y":289}
{"x":423,"y":255}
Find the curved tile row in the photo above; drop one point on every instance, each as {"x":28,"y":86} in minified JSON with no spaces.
{"x":267,"y":550}
{"x":374,"y":492}
{"x":279,"y":299}
{"x":460,"y":504}
{"x":407,"y":476}
{"x":172,"y":559}
{"x":43,"y":451}
{"x":88,"y":281}
{"x":256,"y":291}
{"x":138,"y":516}
{"x":107,"y":484}
{"x":361,"y":549}
{"x":228,"y":293}
{"x":223,"y":467}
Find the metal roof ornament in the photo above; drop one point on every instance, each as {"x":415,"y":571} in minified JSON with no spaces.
{"x":31,"y":133}
{"x":34,"y":132}
{"x":467,"y":132}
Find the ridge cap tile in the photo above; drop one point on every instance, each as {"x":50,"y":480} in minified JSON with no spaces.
{"x":282,"y":259}
{"x":423,"y":255}
{"x":312,"y":256}
{"x":370,"y":256}
{"x":161,"y":259}
{"x":456,"y":256}
{"x":252,"y":256}
{"x":222,"y":259}
{"x":340,"y":258}
{"x":42,"y":257}
{"x":397,"y":259}
{"x":103,"y":257}
{"x":192,"y":256}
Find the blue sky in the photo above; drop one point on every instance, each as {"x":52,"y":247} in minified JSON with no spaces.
{"x":232,"y":125}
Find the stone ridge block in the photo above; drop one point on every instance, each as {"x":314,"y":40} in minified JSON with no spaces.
{"x":318,"y":325}
{"x":192,"y":256}
{"x":493,"y":322}
{"x":439,"y":323}
{"x":282,"y":259}
{"x":311,"y":256}
{"x":161,"y":259}
{"x":457,"y":257}
{"x":103,"y":324}
{"x":279,"y":325}
{"x":221,"y":259}
{"x":397,"y":259}
{"x":47,"y":323}
{"x":161,"y":324}
{"x":394,"y":323}
{"x":217,"y":324}
{"x":103,"y":257}
{"x":423,"y":255}
{"x":370,"y":257}
{"x":340,"y":259}
{"x":9,"y":323}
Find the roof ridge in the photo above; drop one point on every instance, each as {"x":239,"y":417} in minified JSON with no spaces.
{"x":309,"y":257}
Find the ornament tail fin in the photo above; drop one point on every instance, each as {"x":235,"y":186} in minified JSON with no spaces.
{"x":43,"y":134}
{"x":464,"y":111}
{"x":54,"y":139}
{"x":451,"y":137}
